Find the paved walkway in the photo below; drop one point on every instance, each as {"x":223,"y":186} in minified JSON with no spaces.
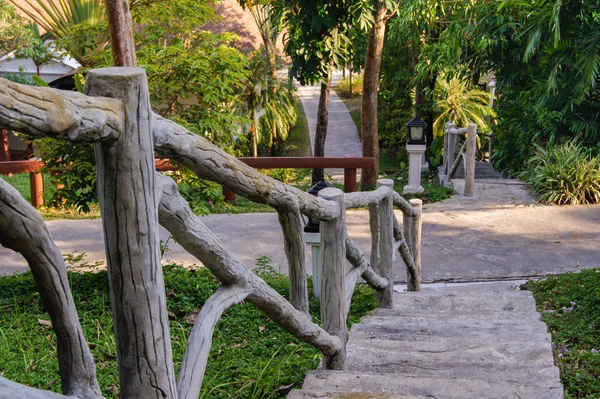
{"x":501,"y":233}
{"x":342,"y":137}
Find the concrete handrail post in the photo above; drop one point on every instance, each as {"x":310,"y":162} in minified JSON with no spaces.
{"x":412,"y":235}
{"x":333,"y":277}
{"x":386,"y":242}
{"x":470,"y":160}
{"x":128,"y":201}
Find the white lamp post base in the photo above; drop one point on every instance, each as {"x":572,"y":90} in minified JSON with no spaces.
{"x":415,"y":153}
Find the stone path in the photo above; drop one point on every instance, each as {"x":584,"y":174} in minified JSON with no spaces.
{"x":342,"y":137}
{"x":445,"y":343}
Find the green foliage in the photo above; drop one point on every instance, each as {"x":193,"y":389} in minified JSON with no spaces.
{"x":203,"y":196}
{"x":19,"y":78}
{"x":14,"y":30}
{"x":319,"y":35}
{"x":38,"y":51}
{"x":460,"y":102}
{"x":345,"y":89}
{"x":298,"y":142}
{"x":72,"y":165}
{"x":61,"y":19}
{"x":395,"y":103}
{"x":570,"y":306}
{"x":289,"y":176}
{"x":565,"y":174}
{"x":268,"y":102}
{"x":251,"y":357}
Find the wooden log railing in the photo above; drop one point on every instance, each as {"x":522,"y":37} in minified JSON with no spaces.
{"x":133,"y":187}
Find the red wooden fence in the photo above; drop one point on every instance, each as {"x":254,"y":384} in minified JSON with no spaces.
{"x":349,"y":165}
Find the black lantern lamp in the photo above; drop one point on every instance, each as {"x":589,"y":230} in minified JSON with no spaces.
{"x":416,"y":131}
{"x":313,"y":224}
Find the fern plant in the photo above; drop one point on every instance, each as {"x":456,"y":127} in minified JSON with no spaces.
{"x":565,"y":174}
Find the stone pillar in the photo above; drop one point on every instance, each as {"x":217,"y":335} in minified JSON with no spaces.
{"x":415,"y":153}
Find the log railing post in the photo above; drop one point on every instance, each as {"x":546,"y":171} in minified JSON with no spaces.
{"x":386,"y":243}
{"x":36,"y":185}
{"x":490,"y":147}
{"x":128,"y":202}
{"x":412,"y":235}
{"x":470,"y":160}
{"x":229,"y":195}
{"x":291,"y":226}
{"x":349,"y":180}
{"x":4,"y":146}
{"x":333,"y":278}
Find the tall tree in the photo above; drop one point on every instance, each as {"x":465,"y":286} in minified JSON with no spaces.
{"x":369,"y":128}
{"x":318,"y":43}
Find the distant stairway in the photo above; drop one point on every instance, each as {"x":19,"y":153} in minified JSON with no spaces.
{"x":445,"y":344}
{"x":483,"y":170}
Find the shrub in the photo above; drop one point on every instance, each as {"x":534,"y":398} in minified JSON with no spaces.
{"x":344,"y":89}
{"x":565,"y":174}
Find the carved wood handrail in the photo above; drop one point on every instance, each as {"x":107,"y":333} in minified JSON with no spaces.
{"x":124,"y":165}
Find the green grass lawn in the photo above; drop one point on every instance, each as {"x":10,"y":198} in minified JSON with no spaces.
{"x":251,"y":357}
{"x":298,"y":142}
{"x":570,"y":306}
{"x":21,"y":183}
{"x":354,"y":108}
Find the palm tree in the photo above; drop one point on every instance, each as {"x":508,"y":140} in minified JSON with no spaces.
{"x":268,"y":103}
{"x":459,"y":101}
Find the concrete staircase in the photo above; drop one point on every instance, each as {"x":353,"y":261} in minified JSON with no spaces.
{"x":483,"y":170}
{"x":481,"y":342}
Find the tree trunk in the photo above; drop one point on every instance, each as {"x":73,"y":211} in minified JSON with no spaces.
{"x":120,"y":28}
{"x":321,"y":132}
{"x":368,"y":126}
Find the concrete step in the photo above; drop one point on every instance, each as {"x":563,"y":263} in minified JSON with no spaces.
{"x":468,"y":303}
{"x":476,"y":294}
{"x":532,"y":315}
{"x":350,"y":395}
{"x":471,"y":288}
{"x":500,"y":329}
{"x":438,"y":387}
{"x":517,"y":374}
{"x":458,"y":322}
{"x":383,"y":355}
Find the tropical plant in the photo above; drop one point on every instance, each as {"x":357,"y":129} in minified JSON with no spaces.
{"x":59,"y":17}
{"x":350,"y":88}
{"x":565,"y":174}
{"x":14,"y":30}
{"x":459,"y":101}
{"x":38,"y":51}
{"x":269,"y":104}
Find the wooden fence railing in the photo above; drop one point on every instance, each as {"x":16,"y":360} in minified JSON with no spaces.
{"x":134,"y":199}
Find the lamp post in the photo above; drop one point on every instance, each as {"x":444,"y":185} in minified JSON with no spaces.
{"x":415,"y":147}
{"x":312,"y":237}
